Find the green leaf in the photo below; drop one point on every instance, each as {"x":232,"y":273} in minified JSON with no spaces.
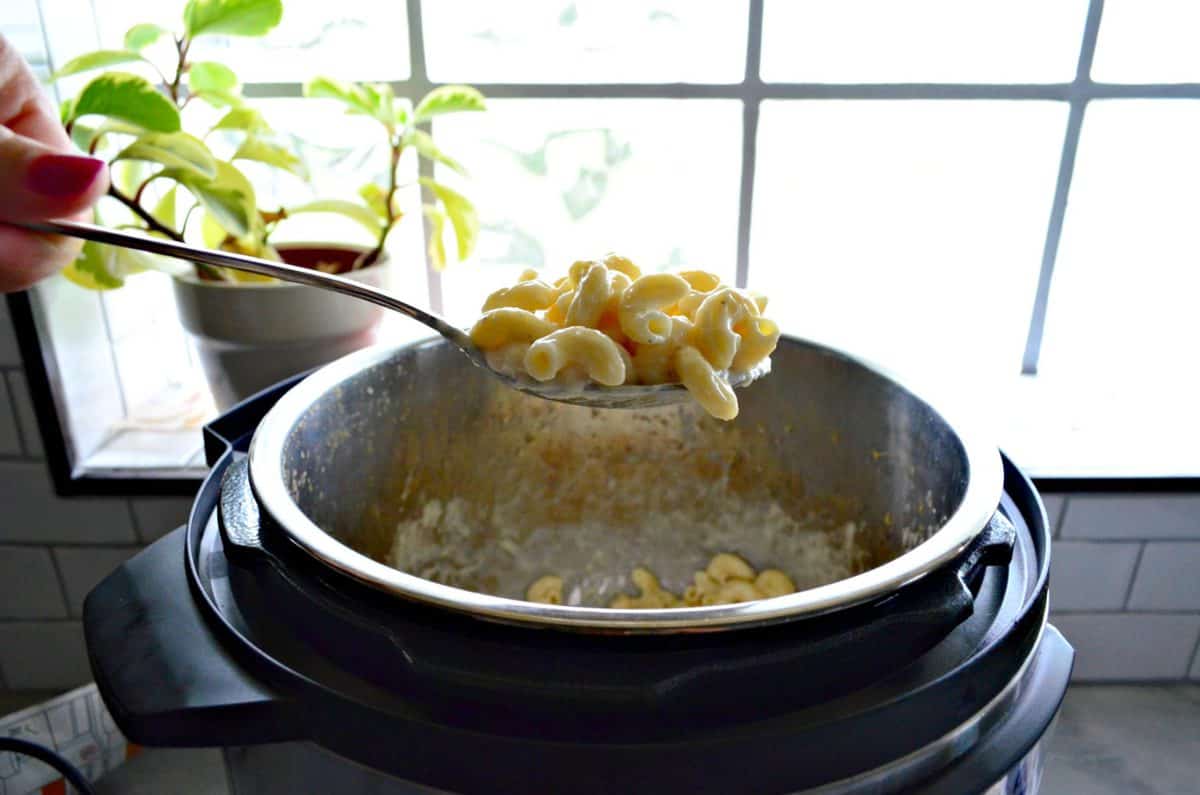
{"x":84,"y":136}
{"x":164,"y":210}
{"x":376,"y":198}
{"x":437,"y":247}
{"x":211,"y":232}
{"x":231,"y":17}
{"x":376,"y":100}
{"x":66,"y":110}
{"x":243,"y":118}
{"x":212,"y":76}
{"x":220,"y":99}
{"x":100,"y":59}
{"x":382,"y":100}
{"x":139,"y":37}
{"x":423,"y":143}
{"x":271,"y":154}
{"x":448,"y":99}
{"x":461,"y":213}
{"x":229,"y":197}
{"x":101,"y":267}
{"x":177,"y":150}
{"x":355,"y":212}
{"x":128,"y":98}
{"x":128,"y":175}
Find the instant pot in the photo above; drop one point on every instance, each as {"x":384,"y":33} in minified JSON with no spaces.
{"x":318,"y":620}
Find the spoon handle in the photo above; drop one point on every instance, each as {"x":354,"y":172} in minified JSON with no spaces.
{"x":241,"y":262}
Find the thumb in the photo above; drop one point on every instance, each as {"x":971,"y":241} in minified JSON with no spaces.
{"x":39,"y":183}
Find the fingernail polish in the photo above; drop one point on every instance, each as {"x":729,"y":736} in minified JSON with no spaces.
{"x":60,"y":176}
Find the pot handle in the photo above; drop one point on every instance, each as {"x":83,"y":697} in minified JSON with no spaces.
{"x":161,"y":670}
{"x":992,"y":547}
{"x":237,"y":515}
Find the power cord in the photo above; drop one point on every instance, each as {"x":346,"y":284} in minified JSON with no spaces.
{"x":43,"y":754}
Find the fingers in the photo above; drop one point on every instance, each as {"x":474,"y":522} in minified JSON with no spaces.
{"x":40,"y":177}
{"x":24,"y":107}
{"x":38,"y":182}
{"x":28,"y":257}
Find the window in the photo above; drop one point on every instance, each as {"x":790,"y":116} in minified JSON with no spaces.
{"x":991,"y":197}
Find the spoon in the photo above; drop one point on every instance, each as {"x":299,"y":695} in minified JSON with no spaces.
{"x":595,"y":395}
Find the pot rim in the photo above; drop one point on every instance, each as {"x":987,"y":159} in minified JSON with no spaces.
{"x":192,"y":280}
{"x":980,"y":500}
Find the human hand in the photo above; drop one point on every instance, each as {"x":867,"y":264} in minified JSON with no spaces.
{"x":42,"y":177}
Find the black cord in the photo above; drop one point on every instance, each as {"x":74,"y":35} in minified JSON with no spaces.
{"x":43,"y":754}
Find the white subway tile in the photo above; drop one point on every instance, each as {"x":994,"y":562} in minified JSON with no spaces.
{"x":10,"y":438}
{"x":9,"y":353}
{"x":33,"y":513}
{"x":47,"y":655}
{"x":1054,"y":507}
{"x":28,"y":584}
{"x":1164,"y":516}
{"x":1090,"y":576}
{"x":84,"y":567}
{"x":1168,"y":577}
{"x":154,"y":517}
{"x":23,"y":404}
{"x":1129,"y":646}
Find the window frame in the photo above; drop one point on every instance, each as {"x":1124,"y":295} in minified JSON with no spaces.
{"x":751,"y":91}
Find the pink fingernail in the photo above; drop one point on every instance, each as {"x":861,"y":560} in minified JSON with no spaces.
{"x":60,"y":176}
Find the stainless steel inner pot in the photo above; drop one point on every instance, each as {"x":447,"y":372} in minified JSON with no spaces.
{"x":834,"y":472}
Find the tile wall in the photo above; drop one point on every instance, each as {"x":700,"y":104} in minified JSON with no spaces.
{"x":1125,"y":587}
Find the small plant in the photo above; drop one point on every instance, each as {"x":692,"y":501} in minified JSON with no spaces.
{"x":162,"y":173}
{"x":400,"y":122}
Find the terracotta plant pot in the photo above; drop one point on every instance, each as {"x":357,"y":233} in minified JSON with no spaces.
{"x":251,"y":335}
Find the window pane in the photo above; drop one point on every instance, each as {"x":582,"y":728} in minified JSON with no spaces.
{"x":353,"y":39}
{"x":586,"y":41}
{"x":909,"y":232}
{"x":935,"y":41}
{"x":561,"y":180}
{"x":1148,"y":41}
{"x":1122,"y":324}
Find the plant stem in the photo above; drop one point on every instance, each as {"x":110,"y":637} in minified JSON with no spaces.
{"x":153,"y":223}
{"x":396,"y":149}
{"x":181,"y":46}
{"x":205,"y":271}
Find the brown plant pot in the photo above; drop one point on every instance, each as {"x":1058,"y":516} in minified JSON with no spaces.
{"x":251,"y":335}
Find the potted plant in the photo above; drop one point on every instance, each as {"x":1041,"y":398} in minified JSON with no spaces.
{"x":249,"y":331}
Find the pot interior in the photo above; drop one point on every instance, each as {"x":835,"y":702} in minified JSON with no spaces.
{"x":423,"y":462}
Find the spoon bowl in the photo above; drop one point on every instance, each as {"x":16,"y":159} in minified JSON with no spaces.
{"x":630,"y":396}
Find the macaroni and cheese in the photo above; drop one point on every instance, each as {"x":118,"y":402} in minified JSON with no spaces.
{"x":606,"y":323}
{"x":727,"y":579}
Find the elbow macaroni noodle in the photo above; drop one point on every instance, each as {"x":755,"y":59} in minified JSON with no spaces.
{"x":606,"y":322}
{"x":728,"y":579}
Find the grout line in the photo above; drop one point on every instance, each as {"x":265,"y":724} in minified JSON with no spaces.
{"x":14,"y":414}
{"x":1131,"y":540}
{"x":1061,"y":521}
{"x":62,"y":581}
{"x":1077,"y":611}
{"x":1137,"y":566}
{"x":133,"y":521}
{"x":41,"y":542}
{"x":1194,"y":659}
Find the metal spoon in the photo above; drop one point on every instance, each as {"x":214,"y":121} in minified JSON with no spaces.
{"x":597,"y":396}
